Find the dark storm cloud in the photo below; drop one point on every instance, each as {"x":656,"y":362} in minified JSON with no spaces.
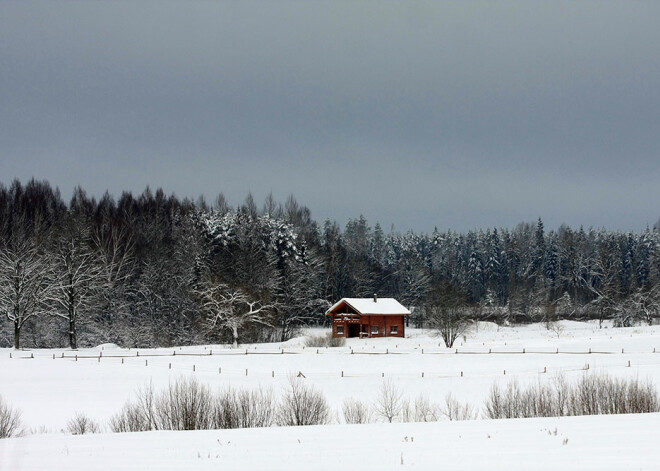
{"x":455,"y":114}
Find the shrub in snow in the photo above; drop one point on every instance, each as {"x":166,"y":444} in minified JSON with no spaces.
{"x":356,"y":412}
{"x":319,"y":341}
{"x":591,"y":395}
{"x":243,"y":409}
{"x":139,"y":416}
{"x":455,"y":410}
{"x":189,"y":405}
{"x":184,"y":405}
{"x":302,"y":405}
{"x":10,"y":420}
{"x":80,"y":424}
{"x":605,"y":395}
{"x":420,"y":410}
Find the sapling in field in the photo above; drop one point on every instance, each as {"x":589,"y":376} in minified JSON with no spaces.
{"x":389,"y":403}
{"x":10,"y":420}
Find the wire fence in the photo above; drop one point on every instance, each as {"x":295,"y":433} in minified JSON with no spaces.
{"x":319,"y":351}
{"x":159,"y":360}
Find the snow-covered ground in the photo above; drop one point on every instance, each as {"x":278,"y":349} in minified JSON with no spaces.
{"x":50,"y":391}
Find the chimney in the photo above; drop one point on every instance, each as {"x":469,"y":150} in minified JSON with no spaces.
{"x":375,"y":298}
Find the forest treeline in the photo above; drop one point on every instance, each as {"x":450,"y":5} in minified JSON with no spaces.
{"x":156,"y":270}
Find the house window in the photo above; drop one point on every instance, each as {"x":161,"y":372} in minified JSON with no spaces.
{"x":374,"y":329}
{"x":394,"y":329}
{"x":340,"y":330}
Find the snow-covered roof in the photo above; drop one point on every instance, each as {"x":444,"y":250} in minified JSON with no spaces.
{"x":367,"y":306}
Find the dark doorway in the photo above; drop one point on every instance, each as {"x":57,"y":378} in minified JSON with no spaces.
{"x":353,"y":330}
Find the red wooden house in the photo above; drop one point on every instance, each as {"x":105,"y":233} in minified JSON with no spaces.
{"x":368,"y":317}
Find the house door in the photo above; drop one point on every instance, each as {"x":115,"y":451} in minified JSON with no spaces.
{"x":353,"y":330}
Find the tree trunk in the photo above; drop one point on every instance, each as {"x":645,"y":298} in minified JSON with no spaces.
{"x":575,"y":296}
{"x":73,"y":338}
{"x":234,"y":332}
{"x":17,"y":335}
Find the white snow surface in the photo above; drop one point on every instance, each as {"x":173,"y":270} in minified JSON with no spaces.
{"x":623,"y":442}
{"x":382,"y":306}
{"x":50,"y":391}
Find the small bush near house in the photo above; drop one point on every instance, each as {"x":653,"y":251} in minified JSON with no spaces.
{"x":320,"y":341}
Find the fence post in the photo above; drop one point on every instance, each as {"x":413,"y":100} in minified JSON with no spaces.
{"x":461,"y":374}
{"x":194,"y":368}
{"x":342,"y":373}
{"x":422,"y":374}
{"x":246,"y":371}
{"x":146,"y":362}
{"x":122,"y":360}
{"x":504,"y":372}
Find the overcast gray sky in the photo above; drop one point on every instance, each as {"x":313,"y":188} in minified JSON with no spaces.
{"x":458,"y":114}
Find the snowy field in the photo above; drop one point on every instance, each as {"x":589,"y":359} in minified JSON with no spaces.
{"x":50,"y":386}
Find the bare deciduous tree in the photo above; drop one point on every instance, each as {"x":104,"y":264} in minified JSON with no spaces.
{"x":26,"y":279}
{"x":79,"y":276}
{"x":449,"y":318}
{"x":389,"y":402}
{"x":231,"y":308}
